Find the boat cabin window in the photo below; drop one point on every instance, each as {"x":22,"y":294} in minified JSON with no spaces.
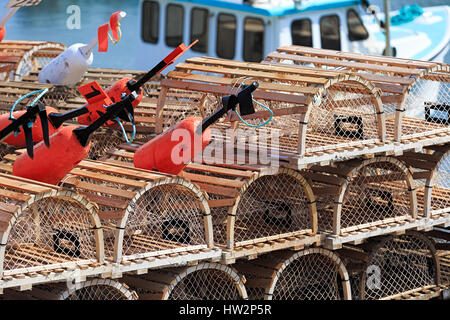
{"x":301,"y":33}
{"x":330,"y":32}
{"x":174,"y":25}
{"x":356,"y":29}
{"x":253,"y":39}
{"x":199,"y":29}
{"x":226,"y":36}
{"x":150,"y":21}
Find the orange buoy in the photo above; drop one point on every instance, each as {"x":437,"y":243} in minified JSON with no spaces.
{"x":19,"y":140}
{"x":51,"y":165}
{"x":2,"y":33}
{"x":172,"y":151}
{"x":120,"y":87}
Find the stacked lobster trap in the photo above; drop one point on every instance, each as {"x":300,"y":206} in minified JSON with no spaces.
{"x":148,"y":219}
{"x":351,"y":177}
{"x":205,"y":281}
{"x":315,"y":112}
{"x":47,"y":233}
{"x":19,"y":58}
{"x":254,"y":209}
{"x":94,"y":289}
{"x":415,"y":94}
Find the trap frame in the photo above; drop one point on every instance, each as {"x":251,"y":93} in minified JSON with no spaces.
{"x":254,"y":208}
{"x":205,"y":281}
{"x":303,"y":102}
{"x":431,"y":169}
{"x":47,"y":232}
{"x":90,"y":290}
{"x":19,"y":58}
{"x":148,"y":219}
{"x":414,"y":93}
{"x":359,"y":199}
{"x":310,"y":274}
{"x":397,"y":267}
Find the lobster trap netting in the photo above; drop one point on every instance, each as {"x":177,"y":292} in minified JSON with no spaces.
{"x":272,"y":205}
{"x":205,"y":281}
{"x":427,"y":105}
{"x":90,"y":290}
{"x":376,"y":193}
{"x":312,"y":274}
{"x":440,"y":194}
{"x":399,"y":264}
{"x":164,"y":217}
{"x":345,"y":112}
{"x":103,"y":141}
{"x":52,"y":230}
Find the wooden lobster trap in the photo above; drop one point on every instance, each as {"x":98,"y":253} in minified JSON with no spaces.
{"x":148,"y":219}
{"x":254,"y":209}
{"x":310,"y":274}
{"x":359,"y":199}
{"x":431,"y":169}
{"x":315,"y":111}
{"x":395,"y":267}
{"x":19,"y":58}
{"x":90,"y":290}
{"x":205,"y":281}
{"x":415,"y":94}
{"x":46,"y":233}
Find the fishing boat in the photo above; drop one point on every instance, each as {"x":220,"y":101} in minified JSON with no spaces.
{"x":247,"y":30}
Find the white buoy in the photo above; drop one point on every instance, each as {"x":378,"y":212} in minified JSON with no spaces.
{"x":69,"y":67}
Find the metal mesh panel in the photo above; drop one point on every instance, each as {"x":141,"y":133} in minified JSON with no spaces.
{"x":271,"y":205}
{"x":399,"y":264}
{"x":103,"y":141}
{"x":51,"y":231}
{"x":440,"y":195}
{"x":377,"y":191}
{"x":429,"y":101}
{"x":164,"y":217}
{"x":310,"y":277}
{"x":95,"y":290}
{"x":345,"y":114}
{"x":206,"y":284}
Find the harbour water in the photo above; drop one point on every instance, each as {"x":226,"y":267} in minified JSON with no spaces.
{"x":47,"y":21}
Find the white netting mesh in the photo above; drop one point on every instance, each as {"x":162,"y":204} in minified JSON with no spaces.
{"x":346,"y":113}
{"x":273,"y":204}
{"x":51,"y":231}
{"x":376,"y":192}
{"x":399,"y":264}
{"x":206,"y":281}
{"x":164,"y":217}
{"x":440,"y":195}
{"x":310,"y":277}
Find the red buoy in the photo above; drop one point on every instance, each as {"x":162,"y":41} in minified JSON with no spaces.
{"x":120,"y":87}
{"x":19,"y":140}
{"x":172,"y":151}
{"x":2,"y":33}
{"x":51,"y":165}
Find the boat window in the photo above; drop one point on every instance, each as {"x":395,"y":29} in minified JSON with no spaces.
{"x":253,"y":39}
{"x":356,"y":29}
{"x":199,"y":29}
{"x":150,"y":21}
{"x":226,"y":36}
{"x":301,"y":33}
{"x":174,"y":25}
{"x":330,"y":32}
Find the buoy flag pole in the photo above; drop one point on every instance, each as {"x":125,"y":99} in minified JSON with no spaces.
{"x":102,"y":34}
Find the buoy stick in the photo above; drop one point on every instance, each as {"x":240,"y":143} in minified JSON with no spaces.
{"x":8,"y":16}
{"x":87,"y":49}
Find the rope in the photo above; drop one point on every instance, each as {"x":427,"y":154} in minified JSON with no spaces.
{"x":42,"y":93}
{"x":258,"y":103}
{"x":114,"y":42}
